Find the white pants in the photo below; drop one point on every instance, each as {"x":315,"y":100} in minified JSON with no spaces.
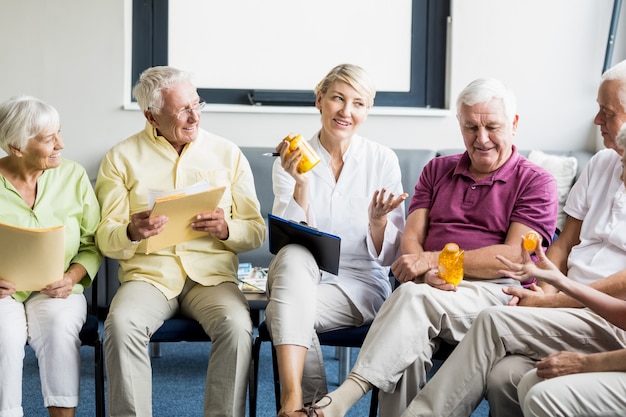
{"x":299,"y":307}
{"x":576,"y":395}
{"x":51,"y":327}
{"x":138,"y":309}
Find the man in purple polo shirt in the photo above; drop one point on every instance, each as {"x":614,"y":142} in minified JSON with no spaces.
{"x":483,"y":199}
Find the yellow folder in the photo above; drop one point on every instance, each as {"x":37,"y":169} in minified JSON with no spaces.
{"x":31,"y":258}
{"x":181,"y":210}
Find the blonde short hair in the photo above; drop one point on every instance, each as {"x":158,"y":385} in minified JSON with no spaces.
{"x":354,"y":76}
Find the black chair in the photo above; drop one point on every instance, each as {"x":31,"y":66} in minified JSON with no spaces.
{"x":184,"y":329}
{"x":90,"y":336}
{"x":177,"y":329}
{"x":351,"y":337}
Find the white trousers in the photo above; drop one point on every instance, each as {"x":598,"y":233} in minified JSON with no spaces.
{"x":51,"y":327}
{"x":576,"y":395}
{"x":299,"y":307}
{"x":138,"y":309}
{"x":459,"y":385}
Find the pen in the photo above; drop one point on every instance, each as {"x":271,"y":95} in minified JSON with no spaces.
{"x":272,"y":154}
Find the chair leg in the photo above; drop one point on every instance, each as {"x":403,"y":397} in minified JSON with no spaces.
{"x":99,"y":382}
{"x":254,"y":377}
{"x":155,"y":349}
{"x":276,"y":379}
{"x":344,"y":363}
{"x":374,"y":403}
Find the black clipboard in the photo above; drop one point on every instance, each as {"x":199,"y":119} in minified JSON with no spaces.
{"x":324,"y":247}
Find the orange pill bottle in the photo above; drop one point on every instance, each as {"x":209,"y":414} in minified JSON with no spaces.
{"x":451,"y":264}
{"x":310,"y":158}
{"x":531,"y":240}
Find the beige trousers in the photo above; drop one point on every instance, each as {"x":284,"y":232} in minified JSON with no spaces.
{"x":396,"y":355}
{"x":576,"y":395}
{"x":138,"y":309}
{"x":459,"y":385}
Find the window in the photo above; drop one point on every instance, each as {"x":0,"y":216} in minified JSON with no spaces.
{"x":245,"y":53}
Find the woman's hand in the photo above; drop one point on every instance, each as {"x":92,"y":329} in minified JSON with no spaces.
{"x":6,"y":288}
{"x":380,"y":206}
{"x":543,"y":269}
{"x":290,"y":165}
{"x":290,"y":162}
{"x":61,"y":288}
{"x":213,"y":223}
{"x":377,"y":211}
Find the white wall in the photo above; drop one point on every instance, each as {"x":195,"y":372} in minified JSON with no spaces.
{"x":74,"y":55}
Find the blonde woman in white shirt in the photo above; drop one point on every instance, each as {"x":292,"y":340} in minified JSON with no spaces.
{"x":355,"y":192}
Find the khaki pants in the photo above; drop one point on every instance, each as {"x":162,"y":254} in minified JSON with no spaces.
{"x":459,"y":385}
{"x":138,"y":309}
{"x":396,"y":355}
{"x":575,"y":395}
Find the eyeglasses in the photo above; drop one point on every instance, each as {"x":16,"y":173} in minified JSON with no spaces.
{"x":185,"y":113}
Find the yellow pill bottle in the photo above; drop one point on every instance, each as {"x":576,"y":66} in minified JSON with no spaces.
{"x":310,"y":158}
{"x":451,"y":264}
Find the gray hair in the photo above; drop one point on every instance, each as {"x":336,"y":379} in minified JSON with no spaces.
{"x":23,"y":118}
{"x":620,"y":139}
{"x":482,"y":90}
{"x":354,"y":76}
{"x":618,"y":73}
{"x":149,"y":88}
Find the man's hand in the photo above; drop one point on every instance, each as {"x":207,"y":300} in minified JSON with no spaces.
{"x":142,"y":226}
{"x":212,"y":223}
{"x":531,"y":297}
{"x":410,"y":267}
{"x":559,"y":364}
{"x":432,"y":278}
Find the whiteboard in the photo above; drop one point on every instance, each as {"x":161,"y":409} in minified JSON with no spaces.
{"x":288,"y":44}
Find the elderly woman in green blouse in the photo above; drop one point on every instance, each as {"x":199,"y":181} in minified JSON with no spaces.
{"x":39,"y":189}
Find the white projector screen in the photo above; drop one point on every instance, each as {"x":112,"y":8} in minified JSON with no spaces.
{"x":290,"y":45}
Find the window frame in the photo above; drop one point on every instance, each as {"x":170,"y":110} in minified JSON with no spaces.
{"x":429,"y":42}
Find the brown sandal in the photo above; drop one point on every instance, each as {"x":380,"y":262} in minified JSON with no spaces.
{"x":308,"y":410}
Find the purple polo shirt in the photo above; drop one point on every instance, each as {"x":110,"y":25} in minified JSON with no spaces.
{"x":475,"y":214}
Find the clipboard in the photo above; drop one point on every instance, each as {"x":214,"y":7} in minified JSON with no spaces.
{"x":324,"y":247}
{"x":31,"y":258}
{"x":181,"y":210}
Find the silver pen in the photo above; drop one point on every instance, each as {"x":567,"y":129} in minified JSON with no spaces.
{"x":270,"y":154}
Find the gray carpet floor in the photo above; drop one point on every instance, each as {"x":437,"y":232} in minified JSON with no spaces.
{"x":178,"y":382}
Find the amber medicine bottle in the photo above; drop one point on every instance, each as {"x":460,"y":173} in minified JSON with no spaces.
{"x":451,"y":264}
{"x":309,"y":156}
